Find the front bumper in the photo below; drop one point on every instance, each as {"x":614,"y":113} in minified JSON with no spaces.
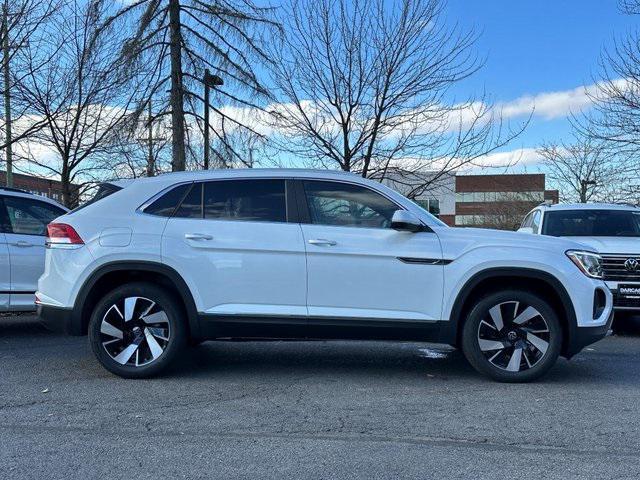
{"x":583,"y":336}
{"x":624,"y":302}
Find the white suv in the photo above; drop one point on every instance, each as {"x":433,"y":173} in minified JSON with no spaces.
{"x":612,"y":230}
{"x":23,"y":223}
{"x":185,"y":257}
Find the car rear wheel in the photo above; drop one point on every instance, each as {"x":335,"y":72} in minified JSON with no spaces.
{"x":512,"y":336}
{"x":137,"y":330}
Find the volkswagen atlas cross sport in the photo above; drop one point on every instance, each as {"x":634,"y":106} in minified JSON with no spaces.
{"x":610,"y":229}
{"x":163,"y":262}
{"x":23,"y":223}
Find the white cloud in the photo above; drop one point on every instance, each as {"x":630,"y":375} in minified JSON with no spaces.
{"x":550,"y":105}
{"x":544,"y":105}
{"x":520,"y":157}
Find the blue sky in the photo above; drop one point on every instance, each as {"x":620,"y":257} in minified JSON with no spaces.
{"x":533,"y":47}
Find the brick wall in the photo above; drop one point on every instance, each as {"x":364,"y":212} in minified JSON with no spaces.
{"x":38,"y":185}
{"x":500,"y":183}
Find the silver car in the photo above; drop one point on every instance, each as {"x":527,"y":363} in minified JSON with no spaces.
{"x":23,"y":223}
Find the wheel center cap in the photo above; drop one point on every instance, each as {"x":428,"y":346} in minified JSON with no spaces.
{"x":512,"y":336}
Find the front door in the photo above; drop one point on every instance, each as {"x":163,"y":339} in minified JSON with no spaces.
{"x":358,"y":266}
{"x":232,"y":240}
{"x":24,"y":228}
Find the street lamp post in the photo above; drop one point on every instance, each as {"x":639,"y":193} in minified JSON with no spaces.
{"x":209,"y":81}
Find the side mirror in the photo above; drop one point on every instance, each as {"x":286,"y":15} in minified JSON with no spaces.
{"x":525,"y":230}
{"x":405,"y":221}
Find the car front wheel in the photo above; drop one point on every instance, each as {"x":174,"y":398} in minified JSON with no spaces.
{"x":137,"y":330}
{"x":512,"y":336}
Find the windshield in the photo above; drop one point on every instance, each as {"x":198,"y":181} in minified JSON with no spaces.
{"x":592,"y":223}
{"x":102,"y":191}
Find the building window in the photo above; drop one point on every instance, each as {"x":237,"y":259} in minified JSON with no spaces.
{"x":476,"y":197}
{"x":475,"y":219}
{"x":432,"y":205}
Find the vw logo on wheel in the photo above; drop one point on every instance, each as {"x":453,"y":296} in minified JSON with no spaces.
{"x":631,"y":264}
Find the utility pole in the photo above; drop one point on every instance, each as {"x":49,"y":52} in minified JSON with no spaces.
{"x":149,"y":140}
{"x":7,"y":92}
{"x":151,"y":168}
{"x":208,"y":81}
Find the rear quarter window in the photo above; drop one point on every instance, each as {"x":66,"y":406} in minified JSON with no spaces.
{"x":102,"y":191}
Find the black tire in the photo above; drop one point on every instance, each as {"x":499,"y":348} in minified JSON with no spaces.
{"x":195,"y":342}
{"x":500,"y":361}
{"x":142,"y":334}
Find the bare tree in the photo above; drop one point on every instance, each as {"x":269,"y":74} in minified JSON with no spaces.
{"x":81,"y":95}
{"x":240,"y":148}
{"x":21,"y":23}
{"x":508,"y":211}
{"x":584,"y":170}
{"x":143,"y":150}
{"x":364,"y":86}
{"x":631,"y":7}
{"x":176,"y":40}
{"x":615,"y":117}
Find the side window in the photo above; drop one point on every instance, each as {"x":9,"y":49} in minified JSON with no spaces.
{"x":248,"y":200}
{"x":535,"y":222}
{"x":343,"y":204}
{"x":166,"y":205}
{"x":28,"y":217}
{"x":527,"y":221}
{"x":191,"y":206}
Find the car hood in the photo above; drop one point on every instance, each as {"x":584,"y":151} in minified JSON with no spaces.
{"x":610,"y":244}
{"x":456,"y":240}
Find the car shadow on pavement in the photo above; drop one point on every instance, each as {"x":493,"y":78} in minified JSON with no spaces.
{"x":276,"y":358}
{"x":281,"y":359}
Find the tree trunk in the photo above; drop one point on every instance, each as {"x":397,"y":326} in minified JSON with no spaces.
{"x":177,"y":91}
{"x":67,"y":201}
{"x":7,"y":93}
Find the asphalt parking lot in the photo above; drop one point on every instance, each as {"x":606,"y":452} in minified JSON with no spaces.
{"x":312,"y":410}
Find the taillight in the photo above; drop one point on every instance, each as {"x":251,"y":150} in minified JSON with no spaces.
{"x":61,"y":233}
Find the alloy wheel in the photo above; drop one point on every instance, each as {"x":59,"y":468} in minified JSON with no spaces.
{"x":513,"y":336}
{"x":135,"y":331}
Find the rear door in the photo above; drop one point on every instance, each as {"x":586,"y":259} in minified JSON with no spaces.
{"x":24,"y":230}
{"x":233,"y":241}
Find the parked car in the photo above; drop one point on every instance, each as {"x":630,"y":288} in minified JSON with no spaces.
{"x":23,"y":221}
{"x":612,"y":230}
{"x":161,"y":262}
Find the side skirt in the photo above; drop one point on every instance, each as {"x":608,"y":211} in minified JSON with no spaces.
{"x":317,"y":328}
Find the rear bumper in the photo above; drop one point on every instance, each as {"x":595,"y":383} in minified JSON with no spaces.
{"x":57,"y":319}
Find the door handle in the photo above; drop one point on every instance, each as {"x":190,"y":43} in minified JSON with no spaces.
{"x":198,"y":236}
{"x":23,"y":244}
{"x":322,"y":242}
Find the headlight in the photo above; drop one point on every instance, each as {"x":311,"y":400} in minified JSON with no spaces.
{"x":588,"y":262}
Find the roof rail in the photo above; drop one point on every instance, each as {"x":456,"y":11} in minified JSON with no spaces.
{"x":627,"y":204}
{"x":548,"y":202}
{"x":12,"y":189}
